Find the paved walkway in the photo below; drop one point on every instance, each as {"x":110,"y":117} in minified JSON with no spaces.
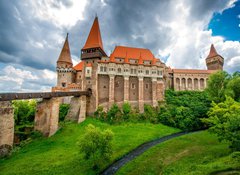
{"x":112,"y":169}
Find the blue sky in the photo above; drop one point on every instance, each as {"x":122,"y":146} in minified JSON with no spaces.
{"x":227,"y":23}
{"x":178,"y":32}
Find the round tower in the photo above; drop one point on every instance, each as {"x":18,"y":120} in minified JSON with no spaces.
{"x":65,"y":71}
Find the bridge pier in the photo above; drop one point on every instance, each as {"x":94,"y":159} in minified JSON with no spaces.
{"x":77,"y":110}
{"x":6,"y":127}
{"x":46,"y":117}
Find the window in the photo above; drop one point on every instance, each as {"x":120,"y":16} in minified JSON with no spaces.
{"x":105,"y":69}
{"x":101,"y":69}
{"x":131,"y":71}
{"x":133,"y":86}
{"x":88,"y":71}
{"x":147,"y":72}
{"x":146,"y":86}
{"x":119,"y":70}
{"x":63,"y":84}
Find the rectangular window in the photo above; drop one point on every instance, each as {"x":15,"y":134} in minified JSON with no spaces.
{"x":133,"y":86}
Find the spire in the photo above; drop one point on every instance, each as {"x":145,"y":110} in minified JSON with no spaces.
{"x":65,"y":55}
{"x":212,"y":52}
{"x":94,"y":39}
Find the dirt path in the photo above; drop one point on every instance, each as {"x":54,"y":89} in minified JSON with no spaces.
{"x":112,"y":169}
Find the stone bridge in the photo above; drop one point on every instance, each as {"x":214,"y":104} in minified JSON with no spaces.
{"x":46,"y":116}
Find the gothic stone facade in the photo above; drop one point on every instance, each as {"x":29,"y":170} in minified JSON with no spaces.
{"x":129,"y":74}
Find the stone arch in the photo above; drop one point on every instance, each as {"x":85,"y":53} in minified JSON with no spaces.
{"x":178,"y":84}
{"x":183,"y":84}
{"x":118,"y":88}
{"x":201,"y":83}
{"x":103,"y":88}
{"x":189,"y":82}
{"x":195,"y":84}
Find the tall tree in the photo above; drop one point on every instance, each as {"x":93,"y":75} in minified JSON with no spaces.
{"x":216,"y":86}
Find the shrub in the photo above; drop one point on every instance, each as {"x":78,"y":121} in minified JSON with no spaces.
{"x":63,"y":110}
{"x":100,"y":114}
{"x":96,"y":145}
{"x":114,"y":114}
{"x":126,"y":109}
{"x":150,"y":114}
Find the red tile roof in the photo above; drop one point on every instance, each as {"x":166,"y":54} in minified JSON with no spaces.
{"x":193,"y":71}
{"x":79,"y":66}
{"x":133,"y":53}
{"x":65,"y":55}
{"x":212,"y":52}
{"x":94,"y":39}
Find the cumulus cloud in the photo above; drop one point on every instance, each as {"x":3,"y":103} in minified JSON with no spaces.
{"x":15,"y":79}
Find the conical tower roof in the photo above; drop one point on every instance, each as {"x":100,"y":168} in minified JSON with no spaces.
{"x":212,"y":52}
{"x":94,"y":39}
{"x":65,"y":55}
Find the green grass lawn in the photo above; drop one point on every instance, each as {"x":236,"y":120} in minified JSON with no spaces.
{"x":196,"y":153}
{"x":60,"y":154}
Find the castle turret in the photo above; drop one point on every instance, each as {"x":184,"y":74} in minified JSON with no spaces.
{"x":214,"y":61}
{"x":65,"y":70}
{"x":93,"y":48}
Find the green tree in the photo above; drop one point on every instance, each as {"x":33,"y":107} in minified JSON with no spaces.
{"x":216,"y":86}
{"x":233,"y":87}
{"x":24,"y":111}
{"x":96,"y":145}
{"x":63,"y":110}
{"x":224,"y":120}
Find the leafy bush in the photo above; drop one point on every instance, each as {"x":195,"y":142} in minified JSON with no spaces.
{"x":150,"y":114}
{"x":114,"y":114}
{"x":224,"y":120}
{"x":96,"y":145}
{"x":24,"y":111}
{"x":63,"y":110}
{"x":126,"y":110}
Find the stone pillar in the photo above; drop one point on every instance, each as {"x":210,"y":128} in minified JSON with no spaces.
{"x":199,"y":84}
{"x":126,"y":88}
{"x":82,"y":113}
{"x":180,"y":82}
{"x":47,"y":115}
{"x":111,"y":90}
{"x":6,"y":128}
{"x":154,"y":92}
{"x":160,"y":90}
{"x":140,"y":95}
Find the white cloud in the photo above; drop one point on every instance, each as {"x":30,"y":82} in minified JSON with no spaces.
{"x":58,"y":12}
{"x":191,"y":42}
{"x":26,"y":79}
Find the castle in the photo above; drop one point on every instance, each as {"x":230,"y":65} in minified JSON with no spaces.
{"x":128,"y":74}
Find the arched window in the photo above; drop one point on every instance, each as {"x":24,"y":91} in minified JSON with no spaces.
{"x":119,"y":70}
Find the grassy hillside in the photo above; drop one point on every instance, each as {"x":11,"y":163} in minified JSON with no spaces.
{"x":60,"y":154}
{"x":197,"y":153}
